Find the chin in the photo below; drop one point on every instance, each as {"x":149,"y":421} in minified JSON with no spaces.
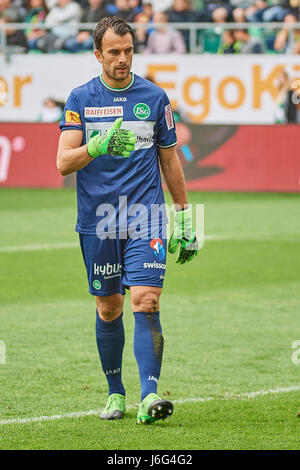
{"x":122,"y":76}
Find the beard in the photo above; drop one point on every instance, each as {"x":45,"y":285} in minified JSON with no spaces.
{"x":114,"y":75}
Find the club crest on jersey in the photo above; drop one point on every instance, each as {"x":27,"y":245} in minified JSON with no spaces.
{"x":105,"y":111}
{"x":97,"y":284}
{"x":158,"y":248}
{"x":141,"y":111}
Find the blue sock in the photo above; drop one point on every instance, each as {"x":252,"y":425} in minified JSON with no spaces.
{"x":110,"y":341}
{"x":148,"y":349}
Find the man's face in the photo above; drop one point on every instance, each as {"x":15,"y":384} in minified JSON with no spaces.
{"x":122,"y":4}
{"x":63,"y":3}
{"x":4,"y":4}
{"x":181,"y":5}
{"x":160,"y":17}
{"x":95,"y":3}
{"x":240,"y":35}
{"x":116,"y":55}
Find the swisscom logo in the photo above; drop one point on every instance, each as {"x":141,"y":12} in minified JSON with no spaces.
{"x":141,"y":111}
{"x":158,"y":248}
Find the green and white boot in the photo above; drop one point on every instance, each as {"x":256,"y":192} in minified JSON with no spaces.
{"x":153,"y":408}
{"x":115,"y":407}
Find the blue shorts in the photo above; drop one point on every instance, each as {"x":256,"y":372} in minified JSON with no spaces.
{"x":115,"y":264}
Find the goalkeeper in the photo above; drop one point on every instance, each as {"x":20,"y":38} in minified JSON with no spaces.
{"x":116,"y":130}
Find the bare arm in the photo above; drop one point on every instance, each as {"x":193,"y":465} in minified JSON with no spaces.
{"x":173,"y":174}
{"x":281,"y":39}
{"x":71,"y":155}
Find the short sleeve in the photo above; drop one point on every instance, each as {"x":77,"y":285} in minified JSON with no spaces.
{"x":71,"y":116}
{"x":166,"y":135}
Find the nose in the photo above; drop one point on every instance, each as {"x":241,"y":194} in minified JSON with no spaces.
{"x":122,"y":58}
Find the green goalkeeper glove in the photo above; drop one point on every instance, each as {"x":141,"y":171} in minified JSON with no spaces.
{"x":115,"y":142}
{"x":184,"y":235}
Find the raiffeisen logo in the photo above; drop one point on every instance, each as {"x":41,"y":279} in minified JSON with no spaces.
{"x":158,"y":248}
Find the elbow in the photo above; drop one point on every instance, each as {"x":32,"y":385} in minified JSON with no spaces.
{"x":63,"y":171}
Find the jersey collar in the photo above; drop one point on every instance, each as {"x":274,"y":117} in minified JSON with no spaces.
{"x":118,"y":89}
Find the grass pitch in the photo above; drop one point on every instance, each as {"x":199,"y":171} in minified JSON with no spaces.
{"x":229,"y":319}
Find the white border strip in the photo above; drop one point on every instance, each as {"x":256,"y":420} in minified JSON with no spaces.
{"x":82,"y":414}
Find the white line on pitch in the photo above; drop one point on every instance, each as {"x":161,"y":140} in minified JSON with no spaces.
{"x":272,"y":391}
{"x":81,"y":414}
{"x":46,"y":246}
{"x":61,"y":246}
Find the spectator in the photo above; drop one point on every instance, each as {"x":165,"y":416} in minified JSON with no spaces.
{"x":122,"y":9}
{"x":283,"y":86}
{"x":141,"y":34}
{"x":51,"y":111}
{"x":164,"y":40}
{"x":266,"y":36}
{"x":50,"y":4}
{"x":7,"y":8}
{"x":161,"y":5}
{"x":181,"y":12}
{"x":19,"y":5}
{"x":136,"y":6}
{"x":211,"y":5}
{"x":294,"y":7}
{"x":220,"y":15}
{"x":147,"y":9}
{"x":36,"y":13}
{"x":82,"y":3}
{"x":239,"y":15}
{"x":210,"y":39}
{"x":248,"y":44}
{"x":286,"y":40}
{"x":254,"y":11}
{"x":83,"y":41}
{"x":59,"y":19}
{"x":292,"y":104}
{"x":227,"y":45}
{"x":14,"y":37}
{"x":276,"y":11}
{"x":262,"y":10}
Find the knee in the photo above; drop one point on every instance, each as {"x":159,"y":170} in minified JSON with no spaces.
{"x":109,"y":310}
{"x":147,"y":302}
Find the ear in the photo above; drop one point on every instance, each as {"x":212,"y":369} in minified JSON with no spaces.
{"x":98,"y":56}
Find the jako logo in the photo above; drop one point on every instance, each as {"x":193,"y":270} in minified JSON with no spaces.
{"x":157,"y":245}
{"x":155,"y":379}
{"x":113,"y":371}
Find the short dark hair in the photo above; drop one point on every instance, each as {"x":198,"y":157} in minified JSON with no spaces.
{"x":115,"y":23}
{"x":243,"y":30}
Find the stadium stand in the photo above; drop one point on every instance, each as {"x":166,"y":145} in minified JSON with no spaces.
{"x":55,"y":30}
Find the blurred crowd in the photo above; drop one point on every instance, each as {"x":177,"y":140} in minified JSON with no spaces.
{"x":59,"y":17}
{"x":287,"y":103}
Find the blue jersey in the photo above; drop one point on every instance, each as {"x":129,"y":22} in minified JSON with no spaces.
{"x":117,"y":181}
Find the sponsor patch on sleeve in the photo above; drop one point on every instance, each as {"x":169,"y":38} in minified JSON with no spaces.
{"x":169,"y":117}
{"x":72,"y":118}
